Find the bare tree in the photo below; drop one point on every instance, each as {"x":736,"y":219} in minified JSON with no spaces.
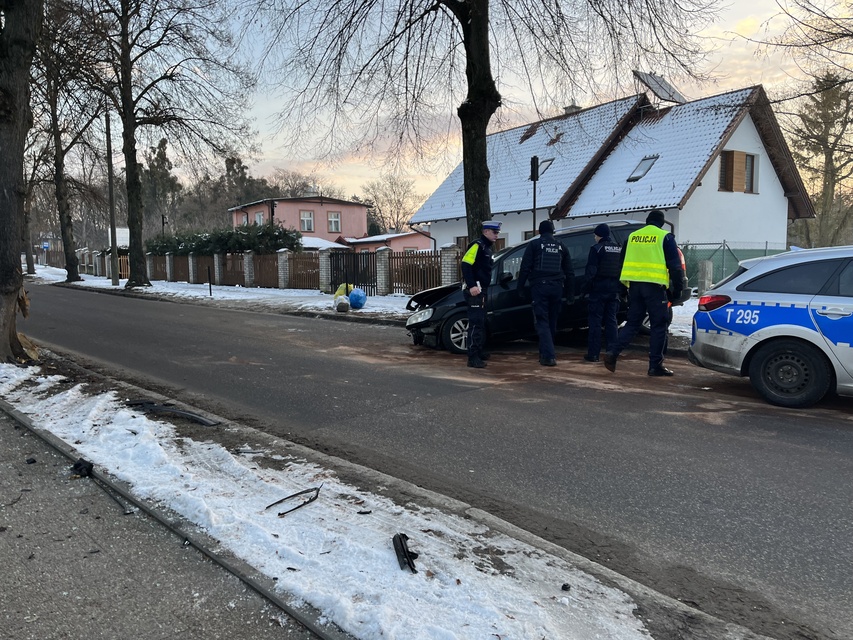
{"x":20,"y":23}
{"x":293,"y":184}
{"x":382,"y":73}
{"x":818,"y":34}
{"x":171,"y":71}
{"x":65,"y":54}
{"x":394,"y":200}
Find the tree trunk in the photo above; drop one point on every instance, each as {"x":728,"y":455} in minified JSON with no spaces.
{"x":18,"y":36}
{"x":480,"y":104}
{"x":66,"y":228}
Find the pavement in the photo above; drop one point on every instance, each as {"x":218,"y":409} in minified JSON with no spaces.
{"x":75,"y":566}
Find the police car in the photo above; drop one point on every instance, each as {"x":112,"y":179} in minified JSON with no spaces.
{"x":786,"y":321}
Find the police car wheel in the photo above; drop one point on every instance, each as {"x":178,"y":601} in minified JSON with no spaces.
{"x":454,"y":334}
{"x":790,"y":373}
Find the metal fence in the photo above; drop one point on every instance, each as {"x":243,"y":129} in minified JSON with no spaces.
{"x":413,"y":272}
{"x":725,"y":256}
{"x":357,"y":269}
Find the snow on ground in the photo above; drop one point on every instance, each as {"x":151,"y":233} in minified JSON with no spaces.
{"x":336,"y":553}
{"x":300,"y":299}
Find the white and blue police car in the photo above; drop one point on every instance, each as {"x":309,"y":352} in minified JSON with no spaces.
{"x":786,"y":321}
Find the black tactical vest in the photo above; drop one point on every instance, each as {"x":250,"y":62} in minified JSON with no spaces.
{"x":609,"y":260}
{"x":550,"y":257}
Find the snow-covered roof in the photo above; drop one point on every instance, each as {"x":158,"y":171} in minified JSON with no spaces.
{"x":567,"y":144}
{"x":662,"y":137}
{"x":380,"y":238}
{"x":587,"y":157}
{"x":320,"y":243}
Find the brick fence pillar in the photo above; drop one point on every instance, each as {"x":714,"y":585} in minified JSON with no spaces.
{"x":249,"y":268}
{"x":217,"y":268}
{"x":170,"y":267}
{"x":283,"y":268}
{"x":384,"y":284}
{"x":325,"y":271}
{"x":449,"y":264}
{"x":192,"y":267}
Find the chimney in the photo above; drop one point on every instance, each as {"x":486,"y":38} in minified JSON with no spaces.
{"x":572,"y":108}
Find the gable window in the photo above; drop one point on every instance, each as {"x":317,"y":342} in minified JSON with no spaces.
{"x":334,"y":219}
{"x":642,"y":168}
{"x":306,"y":221}
{"x":259,"y":217}
{"x":738,"y":172}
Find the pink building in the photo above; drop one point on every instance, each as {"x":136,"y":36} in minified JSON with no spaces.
{"x":411,"y":242}
{"x":313,"y":216}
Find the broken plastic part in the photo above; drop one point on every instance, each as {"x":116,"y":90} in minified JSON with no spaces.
{"x":405,"y":557}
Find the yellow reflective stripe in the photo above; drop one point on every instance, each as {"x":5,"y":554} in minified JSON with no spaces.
{"x":471,"y":254}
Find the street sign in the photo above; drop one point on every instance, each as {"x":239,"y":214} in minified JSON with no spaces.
{"x":45,"y":245}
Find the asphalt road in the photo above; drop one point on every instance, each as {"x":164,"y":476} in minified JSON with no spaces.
{"x":691,"y":485}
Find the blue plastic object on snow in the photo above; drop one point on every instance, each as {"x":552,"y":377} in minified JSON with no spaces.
{"x":357,"y":298}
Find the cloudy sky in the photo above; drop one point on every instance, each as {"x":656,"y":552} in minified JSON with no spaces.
{"x":734,"y":65}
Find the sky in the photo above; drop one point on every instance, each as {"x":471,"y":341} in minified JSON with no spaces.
{"x":345,"y":566}
{"x":734,"y":65}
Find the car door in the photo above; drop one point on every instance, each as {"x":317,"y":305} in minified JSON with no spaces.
{"x":506,"y":312}
{"x":832,"y":311}
{"x":578,"y":245}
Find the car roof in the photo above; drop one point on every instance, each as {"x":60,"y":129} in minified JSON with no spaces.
{"x":796,"y":255}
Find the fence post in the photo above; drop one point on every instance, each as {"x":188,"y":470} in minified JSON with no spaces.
{"x":325,"y":271}
{"x":706,"y":275}
{"x":724,"y":261}
{"x":249,"y":268}
{"x":217,"y":269}
{"x":192,"y":268}
{"x":283,"y":268}
{"x":108,"y":267}
{"x":449,"y":264}
{"x":384,"y":283}
{"x":170,"y":267}
{"x":149,"y":263}
{"x":97,"y":265}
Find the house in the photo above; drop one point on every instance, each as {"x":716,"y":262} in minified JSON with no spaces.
{"x":313,"y":216}
{"x":409,"y":242}
{"x":718,"y":167}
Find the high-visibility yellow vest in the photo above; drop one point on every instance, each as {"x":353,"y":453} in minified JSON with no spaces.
{"x":644,"y":259}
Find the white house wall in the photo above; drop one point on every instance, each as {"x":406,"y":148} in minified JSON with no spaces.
{"x":712,"y":215}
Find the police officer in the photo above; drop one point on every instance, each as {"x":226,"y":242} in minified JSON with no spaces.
{"x":651,"y":263}
{"x":603,"y":266}
{"x":546,"y":263}
{"x":477,"y":273}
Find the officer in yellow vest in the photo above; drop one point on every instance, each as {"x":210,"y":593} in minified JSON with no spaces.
{"x":651,"y":264}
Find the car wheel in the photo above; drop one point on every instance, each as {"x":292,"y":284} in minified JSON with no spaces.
{"x":454,"y":334}
{"x":790,"y":373}
{"x":646,"y":325}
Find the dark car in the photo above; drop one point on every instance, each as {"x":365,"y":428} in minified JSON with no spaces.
{"x":440,"y":316}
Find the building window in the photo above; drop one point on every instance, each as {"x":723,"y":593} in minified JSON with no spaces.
{"x":738,"y":172}
{"x":334,"y":221}
{"x":642,"y":168}
{"x":408,"y":250}
{"x":528,"y":234}
{"x":245,"y":218}
{"x":544,"y":165}
{"x":259,"y":217}
{"x":462,"y":242}
{"x":306,"y":221}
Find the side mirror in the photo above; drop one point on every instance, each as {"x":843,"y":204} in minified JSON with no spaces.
{"x":506,"y":277}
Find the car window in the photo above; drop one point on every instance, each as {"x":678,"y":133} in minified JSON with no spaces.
{"x":807,"y":278}
{"x":843,"y":285}
{"x":578,"y":246}
{"x":511,"y":264}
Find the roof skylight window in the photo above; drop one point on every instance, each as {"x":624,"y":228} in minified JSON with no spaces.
{"x":642,"y":168}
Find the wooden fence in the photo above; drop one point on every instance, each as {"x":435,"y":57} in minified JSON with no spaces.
{"x":304,"y":270}
{"x":266,"y":270}
{"x":413,"y":272}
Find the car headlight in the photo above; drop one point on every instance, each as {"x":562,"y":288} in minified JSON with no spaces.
{"x":420,"y":316}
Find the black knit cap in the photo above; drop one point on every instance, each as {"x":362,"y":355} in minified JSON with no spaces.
{"x":656,"y":218}
{"x":602,"y":231}
{"x":546,"y":226}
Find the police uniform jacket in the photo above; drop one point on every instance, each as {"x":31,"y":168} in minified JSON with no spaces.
{"x":477,"y":263}
{"x":603,"y":266}
{"x":545,"y":258}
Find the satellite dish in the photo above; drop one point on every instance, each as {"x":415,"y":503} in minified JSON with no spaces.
{"x":660,"y":87}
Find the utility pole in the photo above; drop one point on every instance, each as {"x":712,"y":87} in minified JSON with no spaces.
{"x":534,"y":176}
{"x":113,"y":242}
